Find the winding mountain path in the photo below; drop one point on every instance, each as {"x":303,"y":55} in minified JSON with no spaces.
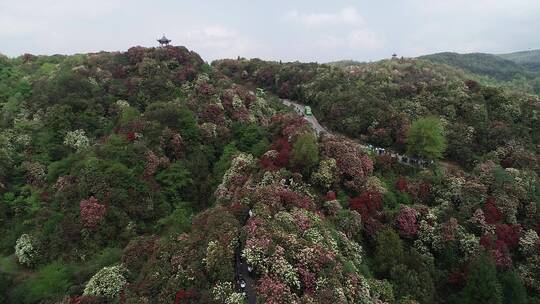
{"x":242,"y":272}
{"x":319,"y":129}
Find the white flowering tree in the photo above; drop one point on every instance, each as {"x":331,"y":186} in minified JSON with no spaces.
{"x":108,"y":282}
{"x":223,"y":292}
{"x":26,"y":250}
{"x":77,"y":140}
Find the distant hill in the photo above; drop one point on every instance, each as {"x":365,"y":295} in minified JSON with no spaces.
{"x":480,"y":63}
{"x":344,"y":63}
{"x":528,"y":59}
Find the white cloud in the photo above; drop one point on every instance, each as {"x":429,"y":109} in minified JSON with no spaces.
{"x":364,"y":39}
{"x":348,"y":15}
{"x":476,"y":7}
{"x":359,"y":39}
{"x":216,"y":41}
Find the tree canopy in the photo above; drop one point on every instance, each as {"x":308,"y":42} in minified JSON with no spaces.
{"x":426,"y":138}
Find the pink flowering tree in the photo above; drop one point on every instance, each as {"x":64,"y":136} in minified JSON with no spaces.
{"x":354,"y":165}
{"x":92,"y":212}
{"x":406,"y":221}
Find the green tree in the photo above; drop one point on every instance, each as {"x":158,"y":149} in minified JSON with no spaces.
{"x":388,"y":251}
{"x":50,"y":282}
{"x":251,"y":138}
{"x":224,"y":162}
{"x":482,"y":285}
{"x":305,"y":153}
{"x":513,"y":290}
{"x":176,"y":181}
{"x":426,"y":138}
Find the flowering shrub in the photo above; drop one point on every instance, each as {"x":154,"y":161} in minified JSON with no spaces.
{"x":291,"y":198}
{"x":224,"y":292}
{"x":491,"y":212}
{"x":209,"y":129}
{"x":235,"y":176}
{"x":77,"y":140}
{"x":469,"y":244}
{"x":184,"y":296}
{"x":529,"y":242}
{"x":285,"y":272}
{"x":327,"y":174}
{"x":450,"y":230}
{"x":355,"y":166}
{"x":108,"y":282}
{"x":272,"y":291}
{"x":368,"y":203}
{"x":153,"y":162}
{"x":406,"y":221}
{"x":218,"y":259}
{"x":213,"y":113}
{"x":479,"y":220}
{"x":291,"y":125}
{"x":382,"y":290}
{"x":278,"y":156}
{"x":26,"y":250}
{"x":92,"y":212}
{"x":498,"y":250}
{"x":509,"y":234}
{"x":530,"y":272}
{"x":171,"y":142}
{"x":402,"y":184}
{"x":35,"y":173}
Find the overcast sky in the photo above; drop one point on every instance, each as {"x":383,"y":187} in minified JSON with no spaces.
{"x":305,"y":30}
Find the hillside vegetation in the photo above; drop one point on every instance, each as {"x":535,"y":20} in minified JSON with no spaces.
{"x":377,"y":102}
{"x":149,"y":176}
{"x":516,"y":71}
{"x":527,"y":59}
{"x":480,"y":63}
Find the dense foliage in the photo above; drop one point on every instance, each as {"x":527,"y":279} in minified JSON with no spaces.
{"x":146,"y":176}
{"x":519,"y":70}
{"x":479,"y":63}
{"x":529,"y":59}
{"x":378,"y":102}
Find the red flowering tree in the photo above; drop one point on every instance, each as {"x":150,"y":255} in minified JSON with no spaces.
{"x":184,"y":296}
{"x":402,"y":184}
{"x":278,"y":156}
{"x":492,"y":214}
{"x":367,"y":203}
{"x":92,"y":212}
{"x":509,"y":234}
{"x":290,"y":198}
{"x":330,"y":196}
{"x":497,"y":249}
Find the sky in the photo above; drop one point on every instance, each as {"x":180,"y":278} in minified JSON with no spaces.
{"x":304,"y":30}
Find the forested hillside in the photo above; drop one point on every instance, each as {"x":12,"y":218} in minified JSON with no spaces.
{"x":518,"y":71}
{"x":149,"y":176}
{"x":528,"y":59}
{"x":480,"y":63}
{"x":378,"y":102}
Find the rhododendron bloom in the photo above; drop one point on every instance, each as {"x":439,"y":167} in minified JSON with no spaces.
{"x":406,"y":221}
{"x":91,"y":212}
